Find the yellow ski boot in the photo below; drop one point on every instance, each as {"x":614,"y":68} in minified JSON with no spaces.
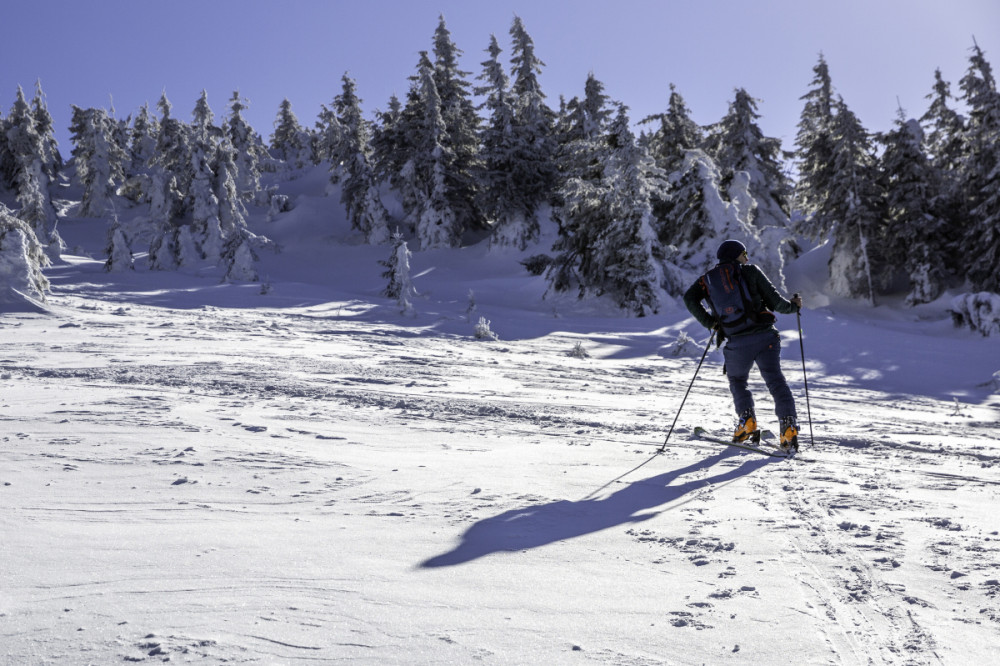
{"x":789,"y":435}
{"x":747,"y":428}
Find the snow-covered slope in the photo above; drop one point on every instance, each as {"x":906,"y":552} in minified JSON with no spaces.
{"x":197,"y":471}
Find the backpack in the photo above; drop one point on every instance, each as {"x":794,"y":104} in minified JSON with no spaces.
{"x":731,"y":301}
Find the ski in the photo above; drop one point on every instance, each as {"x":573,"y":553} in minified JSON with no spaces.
{"x":753,"y":444}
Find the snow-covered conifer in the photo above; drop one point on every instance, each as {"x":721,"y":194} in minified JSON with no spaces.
{"x":21,"y":260}
{"x":914,"y":232}
{"x":290,"y":142}
{"x":29,"y":152}
{"x":676,"y":134}
{"x":118,"y":250}
{"x":98,"y":157}
{"x":206,"y":229}
{"x":518,"y":145}
{"x":400,"y":285}
{"x":609,"y":243}
{"x":944,"y":135}
{"x":240,"y":258}
{"x":249,"y":149}
{"x":460,"y":124}
{"x":981,"y":173}
{"x":51,"y":159}
{"x":359,"y":190}
{"x":326,"y":142}
{"x":814,"y":153}
{"x":438,"y":224}
{"x":700,"y":214}
{"x":854,"y":206}
{"x":739,"y":147}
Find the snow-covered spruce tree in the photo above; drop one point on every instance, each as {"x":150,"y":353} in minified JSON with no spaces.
{"x":6,"y":157}
{"x":698,"y":215}
{"x":142,"y":137}
{"x":21,"y":260}
{"x":290,"y":142}
{"x":52,"y":162}
{"x":854,"y":205}
{"x":98,"y":157}
{"x":943,"y":142}
{"x":438,"y":224}
{"x":170,"y":183}
{"x":205,"y":227}
{"x":29,"y":152}
{"x":249,"y":149}
{"x":677,"y":133}
{"x":400,"y":285}
{"x":501,"y":200}
{"x":326,"y":141}
{"x":395,"y":142}
{"x":609,"y":244}
{"x":359,"y":190}
{"x":739,"y":147}
{"x":240,"y":258}
{"x":981,"y":174}
{"x":814,"y":154}
{"x":460,"y":124}
{"x":533,"y":138}
{"x":118,"y":250}
{"x":914,"y":232}
{"x":518,"y":143}
{"x":582,"y":133}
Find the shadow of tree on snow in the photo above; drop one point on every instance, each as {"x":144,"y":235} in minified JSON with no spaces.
{"x":543,"y":524}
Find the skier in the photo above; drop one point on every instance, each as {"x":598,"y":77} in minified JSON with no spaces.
{"x":743,"y":301}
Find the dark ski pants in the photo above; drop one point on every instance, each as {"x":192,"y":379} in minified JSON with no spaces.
{"x":764,"y":349}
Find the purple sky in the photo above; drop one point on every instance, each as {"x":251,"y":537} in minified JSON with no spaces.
{"x":87,"y":52}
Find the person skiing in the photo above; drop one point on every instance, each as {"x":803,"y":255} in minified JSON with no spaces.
{"x":742,"y":302}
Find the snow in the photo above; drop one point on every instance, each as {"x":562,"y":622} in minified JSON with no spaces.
{"x":195,"y":470}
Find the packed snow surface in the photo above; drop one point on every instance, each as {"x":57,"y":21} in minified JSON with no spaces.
{"x":197,"y":471}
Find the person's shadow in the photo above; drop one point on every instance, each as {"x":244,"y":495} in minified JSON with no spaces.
{"x":542,"y":524}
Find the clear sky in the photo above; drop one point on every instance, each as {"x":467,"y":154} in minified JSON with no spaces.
{"x":95,"y":53}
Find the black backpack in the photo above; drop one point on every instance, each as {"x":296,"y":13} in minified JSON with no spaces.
{"x":731,"y":301}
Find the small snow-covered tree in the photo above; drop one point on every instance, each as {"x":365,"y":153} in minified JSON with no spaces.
{"x":118,"y":250}
{"x":400,"y":285}
{"x":248,"y":146}
{"x":240,"y":258}
{"x":290,"y":142}
{"x":21,"y":260}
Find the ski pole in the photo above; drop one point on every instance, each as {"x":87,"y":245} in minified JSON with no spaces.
{"x":704,"y":354}
{"x":805,"y":378}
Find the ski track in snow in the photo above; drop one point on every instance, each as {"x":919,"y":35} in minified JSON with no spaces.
{"x":274,"y":486}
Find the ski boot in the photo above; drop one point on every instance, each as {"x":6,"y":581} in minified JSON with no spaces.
{"x":746,"y":429}
{"x":789,"y":435}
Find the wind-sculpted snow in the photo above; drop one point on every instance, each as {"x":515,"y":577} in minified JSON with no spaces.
{"x":233,"y":485}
